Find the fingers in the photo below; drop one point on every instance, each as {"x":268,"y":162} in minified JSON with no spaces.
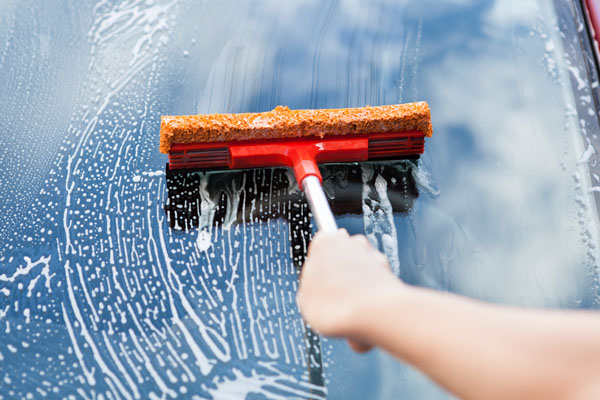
{"x":325,"y":239}
{"x":322,"y":241}
{"x":325,"y":236}
{"x":360,"y":241}
{"x":381,"y":261}
{"x":378,"y":258}
{"x":341,"y":239}
{"x":341,"y":235}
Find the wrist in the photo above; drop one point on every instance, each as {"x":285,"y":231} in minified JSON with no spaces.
{"x":374,"y":308}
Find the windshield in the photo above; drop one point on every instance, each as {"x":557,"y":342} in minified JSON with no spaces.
{"x":120,"y":280}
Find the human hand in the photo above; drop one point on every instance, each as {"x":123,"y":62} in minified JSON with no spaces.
{"x":342,"y":281}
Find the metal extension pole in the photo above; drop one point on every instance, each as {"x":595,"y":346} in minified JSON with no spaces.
{"x":319,"y":206}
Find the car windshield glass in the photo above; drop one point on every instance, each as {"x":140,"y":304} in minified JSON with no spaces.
{"x":120,"y":280}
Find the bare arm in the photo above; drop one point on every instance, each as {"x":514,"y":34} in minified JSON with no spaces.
{"x":473,"y":349}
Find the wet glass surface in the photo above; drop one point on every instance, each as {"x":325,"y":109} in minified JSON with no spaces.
{"x":120,"y":281}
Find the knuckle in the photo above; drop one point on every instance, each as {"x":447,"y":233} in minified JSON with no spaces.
{"x":343,"y":232}
{"x":381,"y":257}
{"x":361,"y":240}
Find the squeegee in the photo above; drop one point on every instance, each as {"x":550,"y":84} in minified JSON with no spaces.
{"x":299,"y":139}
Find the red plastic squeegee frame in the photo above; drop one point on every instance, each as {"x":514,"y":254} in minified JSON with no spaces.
{"x":593,"y":15}
{"x":302,"y":155}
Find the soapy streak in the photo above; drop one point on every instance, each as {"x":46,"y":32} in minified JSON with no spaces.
{"x":250,"y":267}
{"x":378,"y":217}
{"x":25,"y":270}
{"x":241,"y":385}
{"x":88,"y":338}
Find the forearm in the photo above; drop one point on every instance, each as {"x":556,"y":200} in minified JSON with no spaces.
{"x":485,"y":351}
{"x":475,"y":350}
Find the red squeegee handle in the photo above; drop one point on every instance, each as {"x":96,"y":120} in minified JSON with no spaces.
{"x":300,"y":155}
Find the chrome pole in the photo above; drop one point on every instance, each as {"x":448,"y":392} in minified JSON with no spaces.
{"x":319,"y":206}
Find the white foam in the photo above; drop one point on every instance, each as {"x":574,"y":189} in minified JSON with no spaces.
{"x":241,"y":386}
